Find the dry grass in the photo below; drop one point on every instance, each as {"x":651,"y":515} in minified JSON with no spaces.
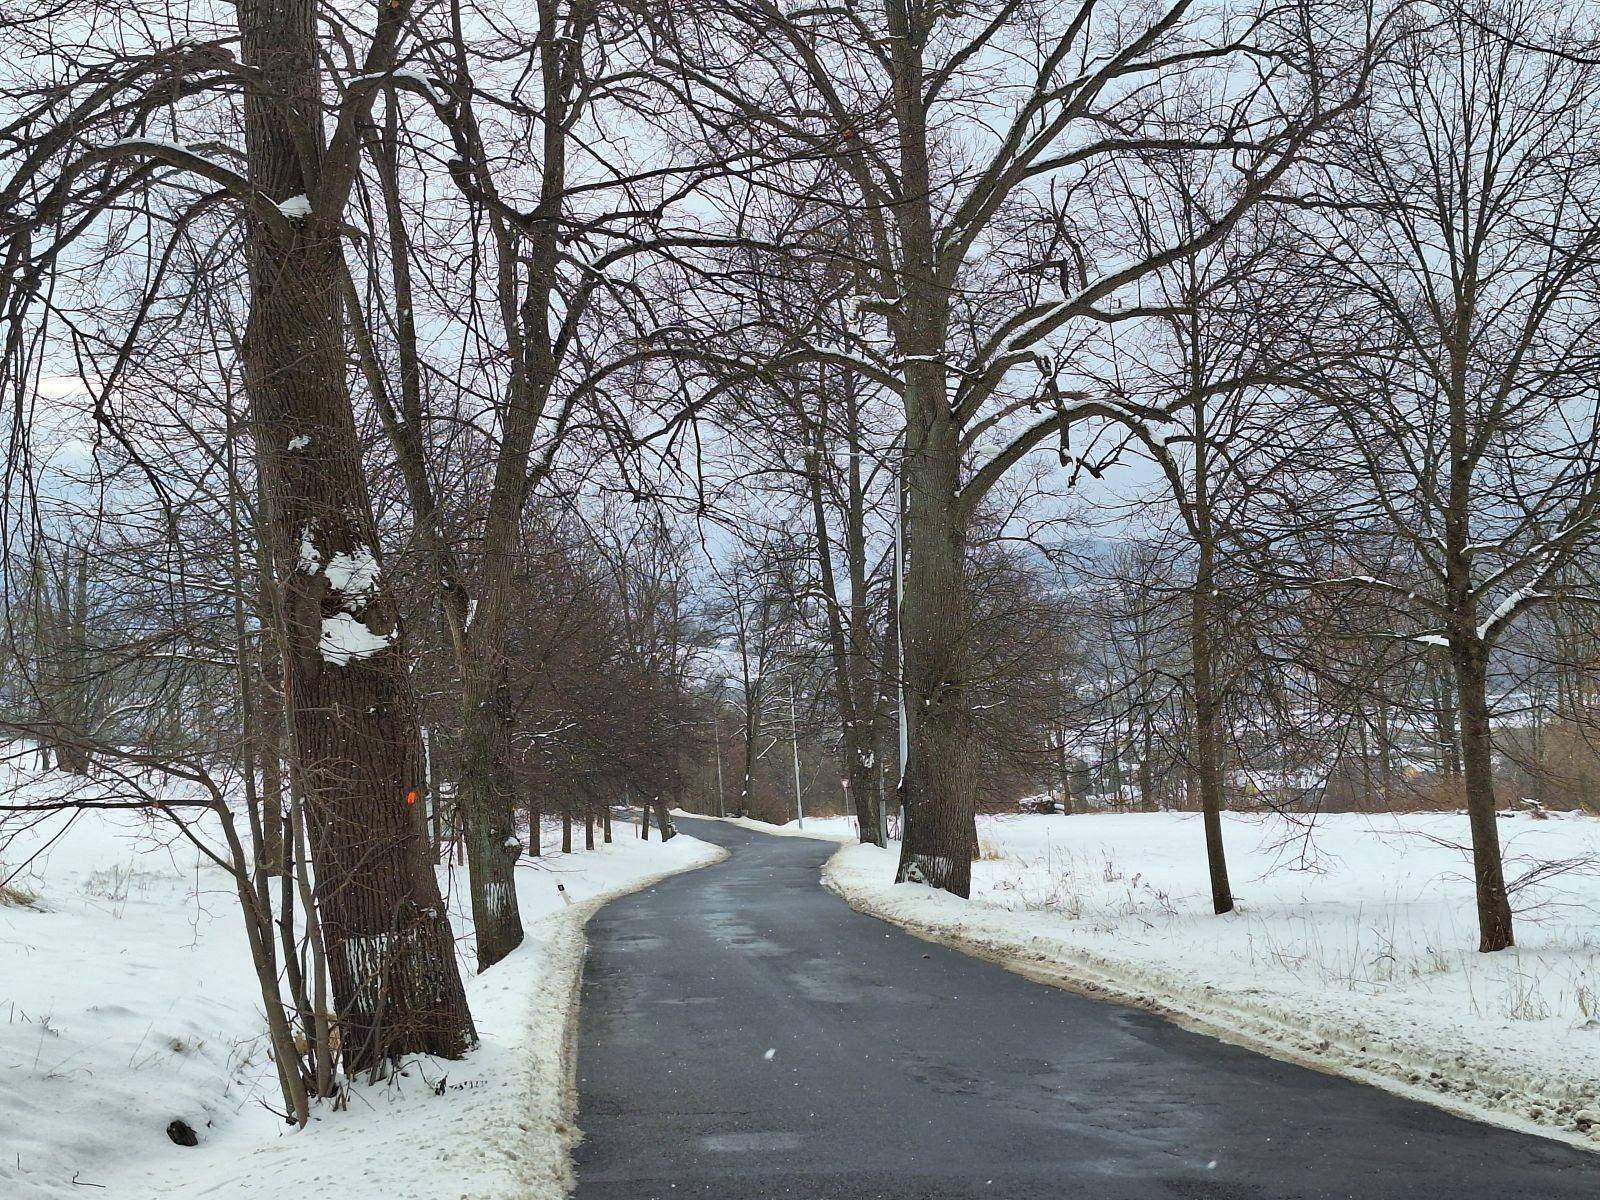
{"x":13,"y":895}
{"x":988,"y":849}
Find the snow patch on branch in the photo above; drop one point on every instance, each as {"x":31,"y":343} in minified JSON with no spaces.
{"x":296,"y":208}
{"x":153,"y":143}
{"x":1504,"y":609}
{"x":411,"y":77}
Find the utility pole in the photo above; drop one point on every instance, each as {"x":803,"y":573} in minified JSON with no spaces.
{"x":794,"y":742}
{"x":716,"y":738}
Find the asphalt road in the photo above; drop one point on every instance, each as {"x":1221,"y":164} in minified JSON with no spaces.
{"x":745,"y":1034}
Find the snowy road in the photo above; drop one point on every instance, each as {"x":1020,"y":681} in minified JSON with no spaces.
{"x":744,"y":1034}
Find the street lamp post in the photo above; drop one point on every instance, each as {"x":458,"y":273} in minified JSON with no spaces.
{"x":716,"y":737}
{"x":794,"y":741}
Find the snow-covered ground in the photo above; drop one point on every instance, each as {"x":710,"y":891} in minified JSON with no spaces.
{"x":127,"y":1000}
{"x":1353,"y":947}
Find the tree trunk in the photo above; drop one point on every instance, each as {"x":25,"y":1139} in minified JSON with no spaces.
{"x":1365,"y":753}
{"x":663,"y":820}
{"x":392,"y":959}
{"x":1385,"y":754}
{"x":270,"y":758}
{"x":566,"y":832}
{"x":860,"y":771}
{"x":1207,"y":733}
{"x":939,"y":833}
{"x":852,"y":684}
{"x":1444,"y":709}
{"x":1470,"y":659}
{"x":486,"y":795}
{"x":1143,"y":773}
{"x":605,"y":819}
{"x":940,"y":836}
{"x":588,"y":826}
{"x":752,"y":731}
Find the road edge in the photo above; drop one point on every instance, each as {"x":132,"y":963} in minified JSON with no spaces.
{"x":554,"y":1009}
{"x":1438,"y":1084}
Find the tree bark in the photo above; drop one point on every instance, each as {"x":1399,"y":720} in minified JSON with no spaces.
{"x":939,"y":835}
{"x":752,"y":731}
{"x":1207,"y":731}
{"x":485,"y":792}
{"x":664,"y":824}
{"x":396,"y":985}
{"x":852,"y":682}
{"x":1208,"y":726}
{"x":1470,"y":659}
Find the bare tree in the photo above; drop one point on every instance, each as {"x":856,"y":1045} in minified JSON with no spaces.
{"x":894,"y":109}
{"x":1465,"y":228}
{"x":350,"y":707}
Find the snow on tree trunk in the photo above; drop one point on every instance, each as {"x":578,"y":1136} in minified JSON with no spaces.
{"x":352,"y":716}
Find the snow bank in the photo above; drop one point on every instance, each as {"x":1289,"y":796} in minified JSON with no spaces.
{"x":127,"y":1000}
{"x":1353,"y":947}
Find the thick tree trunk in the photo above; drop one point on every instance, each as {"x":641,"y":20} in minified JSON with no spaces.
{"x":1470,"y":659}
{"x":939,"y":834}
{"x":860,"y":770}
{"x":397,"y":989}
{"x":487,"y":797}
{"x":664,"y":824}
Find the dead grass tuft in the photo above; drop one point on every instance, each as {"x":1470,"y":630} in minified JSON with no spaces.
{"x":13,"y":895}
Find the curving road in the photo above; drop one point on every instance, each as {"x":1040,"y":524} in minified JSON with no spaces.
{"x":744,"y":1034}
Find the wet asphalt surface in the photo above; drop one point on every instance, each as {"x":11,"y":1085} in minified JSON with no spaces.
{"x":744,"y":1034}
